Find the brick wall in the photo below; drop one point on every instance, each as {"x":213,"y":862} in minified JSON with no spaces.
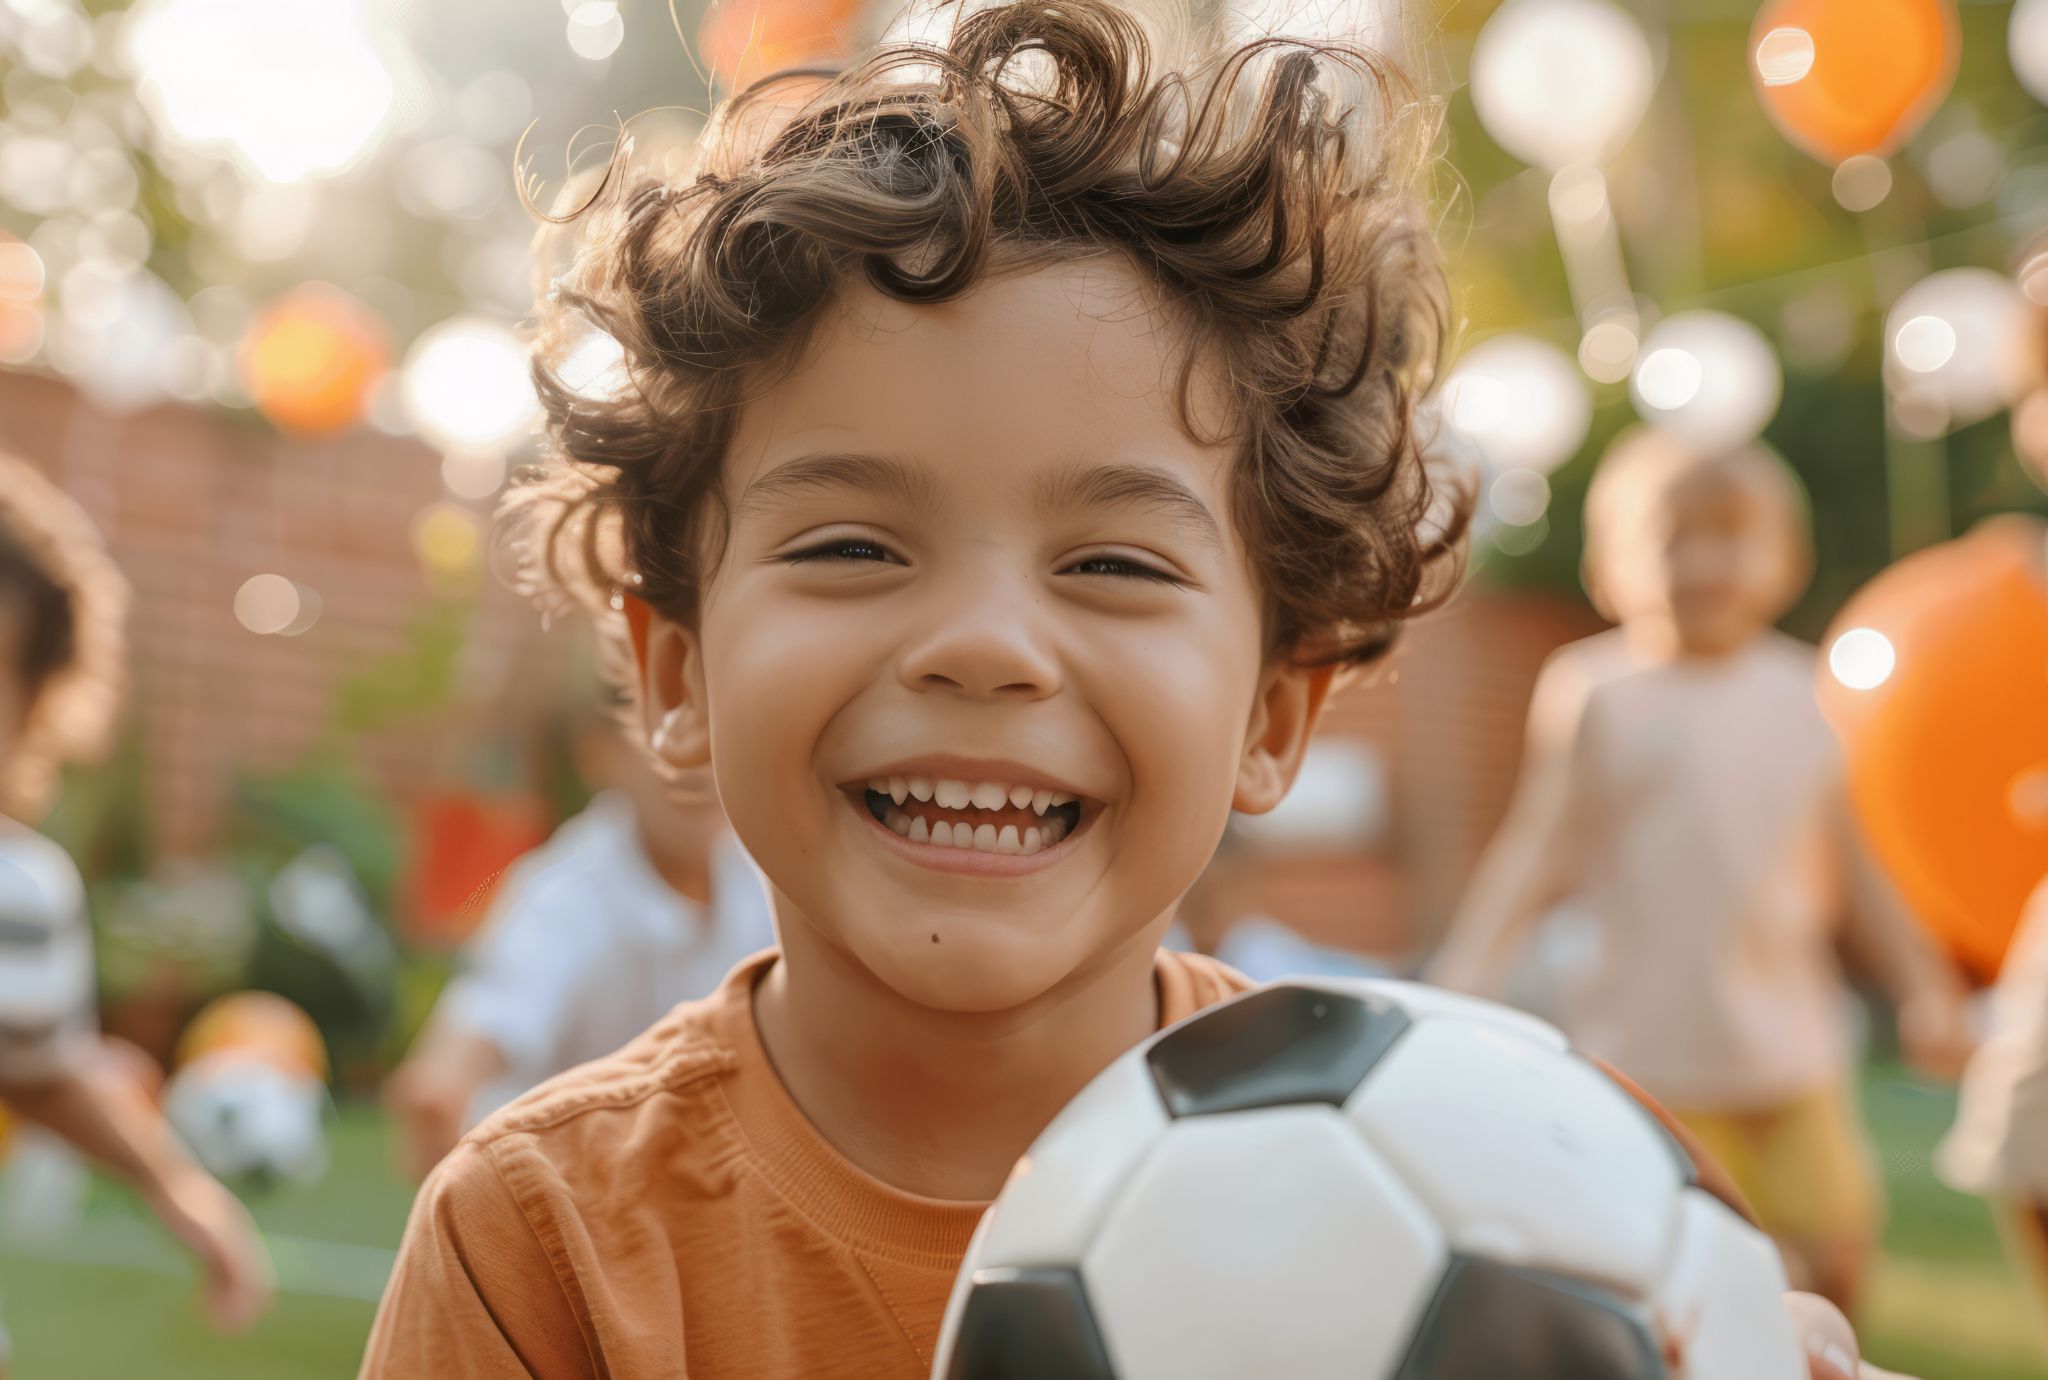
{"x":195,"y":501}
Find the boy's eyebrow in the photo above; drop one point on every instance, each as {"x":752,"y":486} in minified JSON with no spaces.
{"x":883,"y":474}
{"x":1125,"y":485}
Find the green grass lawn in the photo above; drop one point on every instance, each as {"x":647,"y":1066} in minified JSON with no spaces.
{"x":115,"y":1299}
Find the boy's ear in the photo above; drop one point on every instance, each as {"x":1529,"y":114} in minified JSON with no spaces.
{"x":669,"y":672}
{"x":1290,"y":703}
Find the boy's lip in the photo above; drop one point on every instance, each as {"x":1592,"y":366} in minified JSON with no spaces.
{"x":969,"y":861}
{"x":945,"y":766}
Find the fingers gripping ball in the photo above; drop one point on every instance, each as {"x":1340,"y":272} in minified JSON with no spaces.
{"x":1936,"y":678}
{"x":1373,"y":1180}
{"x":250,"y":1093}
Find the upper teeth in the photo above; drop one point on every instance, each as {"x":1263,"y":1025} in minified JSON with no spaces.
{"x":959,"y":795}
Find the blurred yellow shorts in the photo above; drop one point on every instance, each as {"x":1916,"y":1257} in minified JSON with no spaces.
{"x":1804,"y":1165}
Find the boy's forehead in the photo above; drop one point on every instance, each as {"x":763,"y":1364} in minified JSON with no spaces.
{"x":1095,"y":316}
{"x":1043,"y":359}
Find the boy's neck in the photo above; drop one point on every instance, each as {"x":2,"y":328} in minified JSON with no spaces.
{"x":685,"y":868}
{"x":1659,"y":641}
{"x":938,"y":1103}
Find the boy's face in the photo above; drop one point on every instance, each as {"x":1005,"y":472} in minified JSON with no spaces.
{"x":971,"y":547}
{"x":1714,"y":561}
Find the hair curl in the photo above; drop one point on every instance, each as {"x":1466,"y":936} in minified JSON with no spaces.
{"x":1266,"y":189}
{"x":69,"y":605}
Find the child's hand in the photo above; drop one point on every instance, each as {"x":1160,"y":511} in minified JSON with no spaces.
{"x":1934,"y":1029}
{"x":213,"y":1225}
{"x":1830,"y":1342}
{"x":429,"y":1107}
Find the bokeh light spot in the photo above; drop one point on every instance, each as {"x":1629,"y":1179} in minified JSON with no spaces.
{"x":1925,"y":343}
{"x":1862,"y":658}
{"x":1784,"y":55}
{"x":596,"y":30}
{"x":266,"y":604}
{"x":1669,"y":378}
{"x":1519,"y":497}
{"x":1862,"y":182}
{"x":1607,"y":352}
{"x":447,"y":539}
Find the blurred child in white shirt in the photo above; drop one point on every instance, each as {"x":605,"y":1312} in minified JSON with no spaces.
{"x":641,"y":901}
{"x":61,"y":651}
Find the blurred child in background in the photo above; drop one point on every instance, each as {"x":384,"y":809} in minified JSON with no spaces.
{"x":642,"y":901}
{"x":1999,"y":1145}
{"x":1682,"y":790}
{"x":61,"y":608}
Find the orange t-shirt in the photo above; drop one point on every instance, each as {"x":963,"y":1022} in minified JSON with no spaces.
{"x":668,"y":1211}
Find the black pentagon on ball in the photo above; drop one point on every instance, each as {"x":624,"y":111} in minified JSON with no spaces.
{"x":1028,"y":1325}
{"x":1490,"y":1321}
{"x":1278,"y":1046}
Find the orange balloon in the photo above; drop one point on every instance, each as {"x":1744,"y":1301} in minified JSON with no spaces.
{"x":1948,"y":756}
{"x":311,"y":359}
{"x":1843,"y":77}
{"x":261,"y":1025}
{"x":745,"y":40}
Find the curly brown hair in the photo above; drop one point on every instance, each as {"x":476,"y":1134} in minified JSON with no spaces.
{"x":67,"y":606}
{"x":1268,"y":190}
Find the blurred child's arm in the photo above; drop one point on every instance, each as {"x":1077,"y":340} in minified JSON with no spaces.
{"x":1532,"y":860}
{"x":473,"y":1293}
{"x":432,"y":1092}
{"x":525,"y":974}
{"x":1882,"y":934}
{"x":87,"y":1100}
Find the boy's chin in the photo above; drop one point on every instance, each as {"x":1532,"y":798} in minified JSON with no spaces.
{"x":969,"y":969}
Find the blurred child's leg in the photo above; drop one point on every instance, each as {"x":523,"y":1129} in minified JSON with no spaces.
{"x":2024,"y":1226}
{"x":1806,"y":1169}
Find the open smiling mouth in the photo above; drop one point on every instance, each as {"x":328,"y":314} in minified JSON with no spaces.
{"x":983,"y":817}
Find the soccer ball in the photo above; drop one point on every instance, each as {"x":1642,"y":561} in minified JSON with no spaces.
{"x":1366,"y":1179}
{"x":250,"y":1094}
{"x":243,"y":1117}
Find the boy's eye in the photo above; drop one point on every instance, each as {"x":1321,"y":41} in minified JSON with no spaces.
{"x":844,"y":549}
{"x":1122,"y":567}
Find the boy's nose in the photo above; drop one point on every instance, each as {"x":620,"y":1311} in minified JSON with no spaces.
{"x":983,"y":644}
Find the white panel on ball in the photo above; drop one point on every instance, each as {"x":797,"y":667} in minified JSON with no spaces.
{"x":1059,"y":1191}
{"x":1526,"y":1155}
{"x":1721,"y":1305}
{"x":1268,"y":1242}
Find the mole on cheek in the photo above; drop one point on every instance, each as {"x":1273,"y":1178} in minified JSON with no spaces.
{"x":935,"y":939}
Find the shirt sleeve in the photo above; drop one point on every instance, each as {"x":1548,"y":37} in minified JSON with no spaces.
{"x":522,"y":973}
{"x":46,"y":968}
{"x":474,"y":1294}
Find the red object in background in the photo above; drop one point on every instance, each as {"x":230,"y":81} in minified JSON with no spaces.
{"x":461,"y":846}
{"x":1948,"y":756}
{"x":1847,"y":77}
{"x":744,"y":40}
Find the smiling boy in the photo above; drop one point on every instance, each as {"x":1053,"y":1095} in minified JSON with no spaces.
{"x":1016,"y":447}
